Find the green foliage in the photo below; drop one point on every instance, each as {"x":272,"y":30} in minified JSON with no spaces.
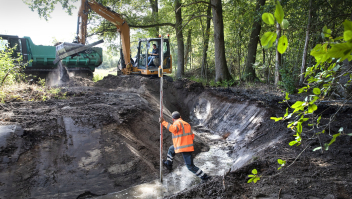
{"x":97,"y":77}
{"x":322,"y":79}
{"x":253,"y":178}
{"x":9,"y":65}
{"x":269,"y":38}
{"x":281,"y":163}
{"x":212,"y":83}
{"x":283,"y":43}
{"x":46,"y":7}
{"x":279,"y":13}
{"x":268,"y":18}
{"x":41,"y":81}
{"x":199,"y":80}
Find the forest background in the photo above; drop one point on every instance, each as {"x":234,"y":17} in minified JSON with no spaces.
{"x":219,"y":40}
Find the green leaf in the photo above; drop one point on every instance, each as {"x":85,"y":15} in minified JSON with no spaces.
{"x":250,"y":180}
{"x":286,"y":97}
{"x":279,"y":13}
{"x":350,"y":134}
{"x":315,"y":98}
{"x":283,"y":43}
{"x":342,"y":50}
{"x":317,"y":148}
{"x":254,"y":171}
{"x":268,"y":39}
{"x":303,"y":119}
{"x":286,"y":114}
{"x":303,"y":89}
{"x":326,"y":32}
{"x":284,"y":24}
{"x":276,"y":119}
{"x":299,"y":127}
{"x":268,"y":18}
{"x":334,"y":138}
{"x":316,"y":91}
{"x":279,"y":168}
{"x":256,"y":179}
{"x":318,"y":120}
{"x":280,"y":161}
{"x":347,"y":35}
{"x":347,"y":24}
{"x":312,"y":108}
{"x":251,"y":176}
{"x":297,"y":104}
{"x":292,"y":143}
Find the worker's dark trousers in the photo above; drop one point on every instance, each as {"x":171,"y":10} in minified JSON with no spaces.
{"x":187,"y":156}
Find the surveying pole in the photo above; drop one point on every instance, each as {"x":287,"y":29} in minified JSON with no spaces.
{"x":160,"y":73}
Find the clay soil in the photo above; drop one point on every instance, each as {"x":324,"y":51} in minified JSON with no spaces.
{"x":118,"y":146}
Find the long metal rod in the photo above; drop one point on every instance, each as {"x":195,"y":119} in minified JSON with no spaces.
{"x":161,"y":110}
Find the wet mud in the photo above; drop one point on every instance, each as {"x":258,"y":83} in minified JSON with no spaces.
{"x":104,"y":139}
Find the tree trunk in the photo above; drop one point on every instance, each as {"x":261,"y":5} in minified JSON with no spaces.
{"x":188,"y":46}
{"x":206,"y":43}
{"x":221,"y":70}
{"x":304,"y":58}
{"x":155,"y":11}
{"x":253,"y":43}
{"x":180,"y":43}
{"x":278,"y":55}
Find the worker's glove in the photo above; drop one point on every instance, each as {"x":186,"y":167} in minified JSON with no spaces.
{"x":161,"y":120}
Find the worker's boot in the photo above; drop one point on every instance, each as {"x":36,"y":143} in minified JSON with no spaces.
{"x":168,"y":165}
{"x":205,"y":178}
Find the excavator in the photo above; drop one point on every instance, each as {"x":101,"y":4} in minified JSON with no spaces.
{"x":138,"y":65}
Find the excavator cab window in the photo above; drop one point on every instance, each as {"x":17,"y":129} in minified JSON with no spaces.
{"x":142,"y":62}
{"x":166,"y":51}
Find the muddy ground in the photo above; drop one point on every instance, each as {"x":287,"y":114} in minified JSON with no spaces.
{"x":105,"y":138}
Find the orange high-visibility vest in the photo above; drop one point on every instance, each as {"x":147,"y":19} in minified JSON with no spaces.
{"x":182,"y":136}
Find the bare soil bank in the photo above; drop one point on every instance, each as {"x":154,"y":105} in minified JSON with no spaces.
{"x":105,"y":138}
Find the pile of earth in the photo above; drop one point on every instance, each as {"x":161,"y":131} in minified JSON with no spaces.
{"x":105,"y":137}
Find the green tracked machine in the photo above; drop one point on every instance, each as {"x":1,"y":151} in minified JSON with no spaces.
{"x":41,"y":60}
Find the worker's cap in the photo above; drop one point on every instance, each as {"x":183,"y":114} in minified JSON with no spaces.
{"x":176,"y":115}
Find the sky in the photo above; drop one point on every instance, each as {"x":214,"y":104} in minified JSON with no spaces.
{"x":16,"y":18}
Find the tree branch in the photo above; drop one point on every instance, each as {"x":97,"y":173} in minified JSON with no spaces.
{"x":195,"y":3}
{"x":152,"y":25}
{"x":191,"y":20}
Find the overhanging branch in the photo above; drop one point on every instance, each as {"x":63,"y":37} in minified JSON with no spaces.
{"x":152,"y":25}
{"x":195,"y":3}
{"x":191,"y":20}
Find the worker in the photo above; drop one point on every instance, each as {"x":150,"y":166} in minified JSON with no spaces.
{"x":182,"y":138}
{"x":153,"y":55}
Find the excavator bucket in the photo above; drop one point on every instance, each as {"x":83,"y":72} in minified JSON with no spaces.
{"x":70,"y":49}
{"x":66,"y":49}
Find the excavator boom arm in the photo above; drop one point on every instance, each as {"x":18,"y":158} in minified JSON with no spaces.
{"x":109,"y":15}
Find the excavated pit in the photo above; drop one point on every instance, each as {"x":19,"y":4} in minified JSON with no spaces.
{"x":103,"y":142}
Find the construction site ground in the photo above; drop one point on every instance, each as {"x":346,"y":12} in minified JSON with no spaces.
{"x":104,"y":138}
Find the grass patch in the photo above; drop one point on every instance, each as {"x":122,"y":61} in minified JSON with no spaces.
{"x":19,"y":92}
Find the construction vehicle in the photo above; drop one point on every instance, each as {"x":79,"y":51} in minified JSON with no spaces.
{"x":126,"y":64}
{"x":39,"y":59}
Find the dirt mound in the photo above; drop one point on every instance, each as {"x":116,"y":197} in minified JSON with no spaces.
{"x":123,"y":81}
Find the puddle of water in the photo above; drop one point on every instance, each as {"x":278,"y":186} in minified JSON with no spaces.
{"x":213,"y":162}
